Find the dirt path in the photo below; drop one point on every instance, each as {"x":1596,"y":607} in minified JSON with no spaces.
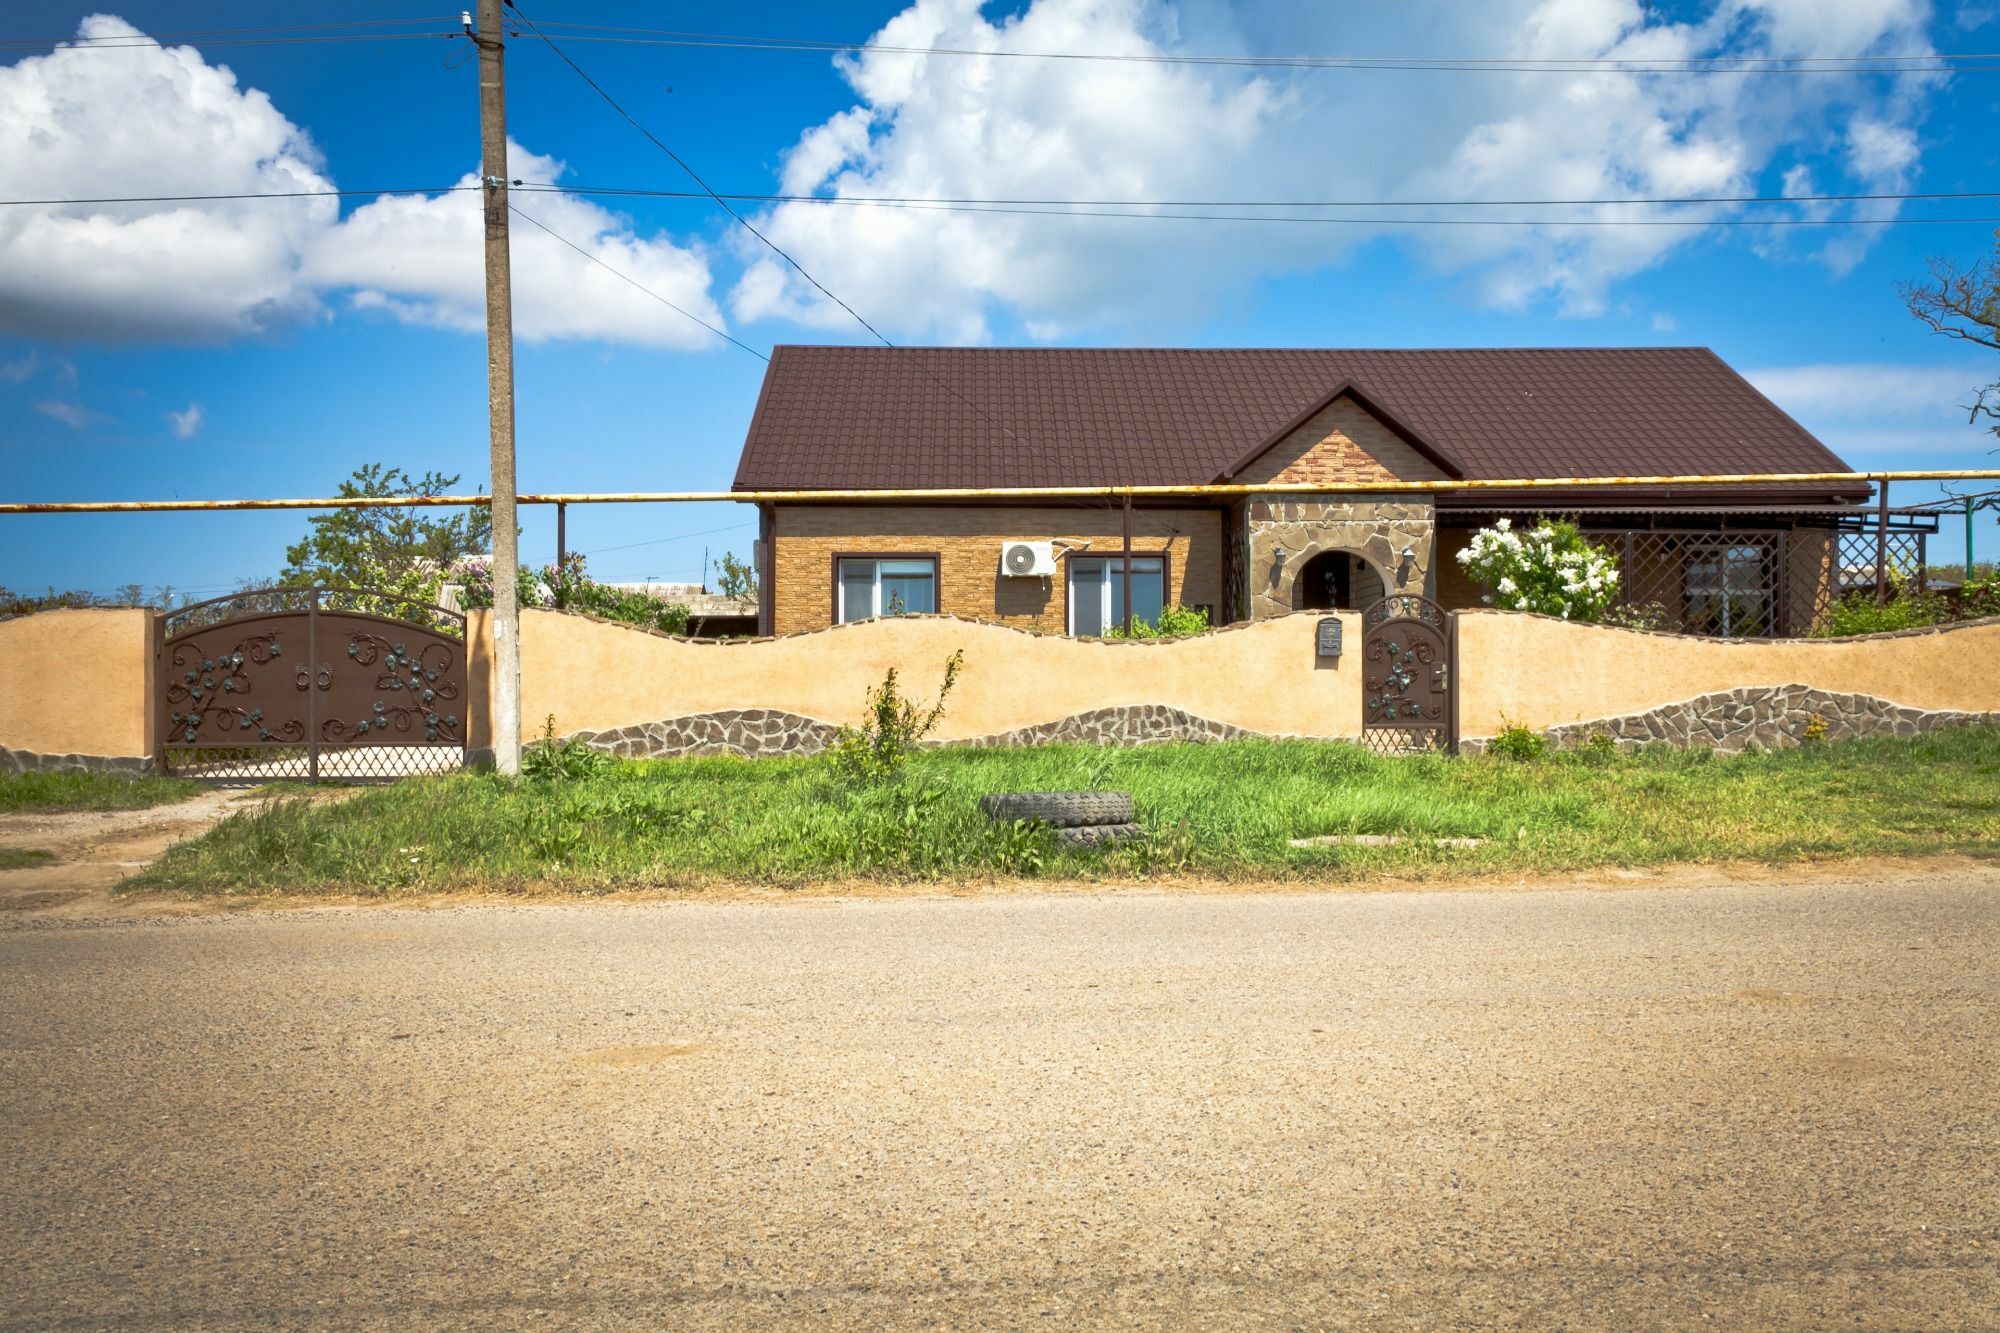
{"x":94,"y":849}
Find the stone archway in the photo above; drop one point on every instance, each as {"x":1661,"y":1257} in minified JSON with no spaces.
{"x":1391,"y":539}
{"x":1337,"y":580}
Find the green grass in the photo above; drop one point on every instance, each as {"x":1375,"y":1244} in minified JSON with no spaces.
{"x":1221,"y":811}
{"x":17,"y":858}
{"x":89,"y":791}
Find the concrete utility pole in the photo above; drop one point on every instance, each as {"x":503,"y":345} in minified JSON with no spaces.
{"x":500,"y":390}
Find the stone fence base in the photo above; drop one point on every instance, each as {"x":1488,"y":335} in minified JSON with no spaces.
{"x":27,"y":761}
{"x":1757,"y":717}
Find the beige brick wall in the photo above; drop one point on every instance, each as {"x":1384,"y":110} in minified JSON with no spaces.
{"x":966,"y":539}
{"x":1341,"y":442}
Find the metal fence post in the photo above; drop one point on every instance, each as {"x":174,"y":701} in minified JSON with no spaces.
{"x":312,"y":686}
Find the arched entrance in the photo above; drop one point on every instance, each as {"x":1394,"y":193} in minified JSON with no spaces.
{"x":1337,"y":581}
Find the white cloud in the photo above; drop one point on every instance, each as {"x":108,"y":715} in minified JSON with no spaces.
{"x":74,"y":415}
{"x":1018,"y":127}
{"x":80,"y":123}
{"x":186,"y":422}
{"x":419,"y":258}
{"x":1871,"y":392}
{"x":163,"y":121}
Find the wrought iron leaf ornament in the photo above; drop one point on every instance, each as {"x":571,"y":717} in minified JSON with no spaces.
{"x":204,"y":676}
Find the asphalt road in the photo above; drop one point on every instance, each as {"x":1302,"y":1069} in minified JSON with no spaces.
{"x":1770,"y":1105}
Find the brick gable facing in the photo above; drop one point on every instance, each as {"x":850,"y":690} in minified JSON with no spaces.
{"x":1342,"y":442}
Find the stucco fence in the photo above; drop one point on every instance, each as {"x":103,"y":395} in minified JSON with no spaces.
{"x":75,"y":691}
{"x":76,"y":685}
{"x":640,"y":694}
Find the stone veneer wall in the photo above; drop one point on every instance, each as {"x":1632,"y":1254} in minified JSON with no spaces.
{"x":1376,"y":530}
{"x":763,"y":732}
{"x":1757,"y":717}
{"x":27,"y":761}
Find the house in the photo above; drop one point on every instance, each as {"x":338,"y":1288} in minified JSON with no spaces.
{"x":1731,"y":560}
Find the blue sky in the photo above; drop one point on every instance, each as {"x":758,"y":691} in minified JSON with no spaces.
{"x":269,"y":347}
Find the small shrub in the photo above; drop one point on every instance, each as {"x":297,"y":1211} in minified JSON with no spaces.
{"x":1815,"y":732}
{"x":549,"y":759}
{"x":1176,"y":622}
{"x":1018,"y":846}
{"x":894,"y":726}
{"x":1598,"y":748}
{"x":1518,"y":743}
{"x":1857,"y":613}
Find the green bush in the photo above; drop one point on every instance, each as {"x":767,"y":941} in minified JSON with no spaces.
{"x":550,"y":759}
{"x":1597,"y":749}
{"x":894,"y":726}
{"x":1176,"y":622}
{"x":1518,"y":743}
{"x":568,"y":586}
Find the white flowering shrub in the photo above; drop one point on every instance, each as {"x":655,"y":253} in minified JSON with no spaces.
{"x":1549,"y":568}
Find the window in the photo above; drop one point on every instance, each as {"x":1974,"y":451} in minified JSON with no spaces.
{"x":864,"y":587}
{"x":1097,"y":593}
{"x":1728,"y":592}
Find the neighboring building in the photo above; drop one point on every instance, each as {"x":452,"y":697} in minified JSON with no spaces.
{"x":1730,"y":560}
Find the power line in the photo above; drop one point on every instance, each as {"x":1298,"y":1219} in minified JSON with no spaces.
{"x":611,"y":190}
{"x":694,"y":175}
{"x":1354,"y":221}
{"x":270,"y":29}
{"x":660,"y":541}
{"x":265,"y":194}
{"x":1914,"y":63}
{"x":1117,"y":208}
{"x":745,"y":223}
{"x":127,"y":42}
{"x":627,"y":278}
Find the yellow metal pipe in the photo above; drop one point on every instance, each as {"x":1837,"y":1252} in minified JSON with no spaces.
{"x":1230,"y":491}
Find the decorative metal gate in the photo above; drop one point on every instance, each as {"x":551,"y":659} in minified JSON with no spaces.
{"x":1409,"y":668}
{"x":251,"y":688}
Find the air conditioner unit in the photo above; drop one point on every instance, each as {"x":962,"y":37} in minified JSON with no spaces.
{"x":1028,"y":560}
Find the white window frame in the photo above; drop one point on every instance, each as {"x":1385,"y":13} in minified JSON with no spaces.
{"x":1111,"y":568}
{"x":927,"y":563}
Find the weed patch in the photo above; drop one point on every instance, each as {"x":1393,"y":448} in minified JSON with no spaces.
{"x":1226,"y":811}
{"x":89,"y":791}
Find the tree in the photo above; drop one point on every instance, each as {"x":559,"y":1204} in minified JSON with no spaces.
{"x":736,"y":578}
{"x":389,"y":548}
{"x":1964,"y":304}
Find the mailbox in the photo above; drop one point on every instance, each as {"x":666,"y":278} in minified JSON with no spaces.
{"x":1328,"y":638}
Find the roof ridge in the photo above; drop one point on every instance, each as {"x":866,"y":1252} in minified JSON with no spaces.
{"x":1259,"y":351}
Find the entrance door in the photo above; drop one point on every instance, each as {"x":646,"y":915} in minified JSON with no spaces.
{"x":1336,"y":581}
{"x":1408,"y":677}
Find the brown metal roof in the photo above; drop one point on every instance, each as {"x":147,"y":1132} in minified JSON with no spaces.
{"x":861,"y":417}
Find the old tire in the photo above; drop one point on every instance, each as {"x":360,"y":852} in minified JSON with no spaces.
{"x":1096,"y":835}
{"x":1060,"y":809}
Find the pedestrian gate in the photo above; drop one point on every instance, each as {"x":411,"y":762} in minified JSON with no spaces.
{"x":1409,"y":669}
